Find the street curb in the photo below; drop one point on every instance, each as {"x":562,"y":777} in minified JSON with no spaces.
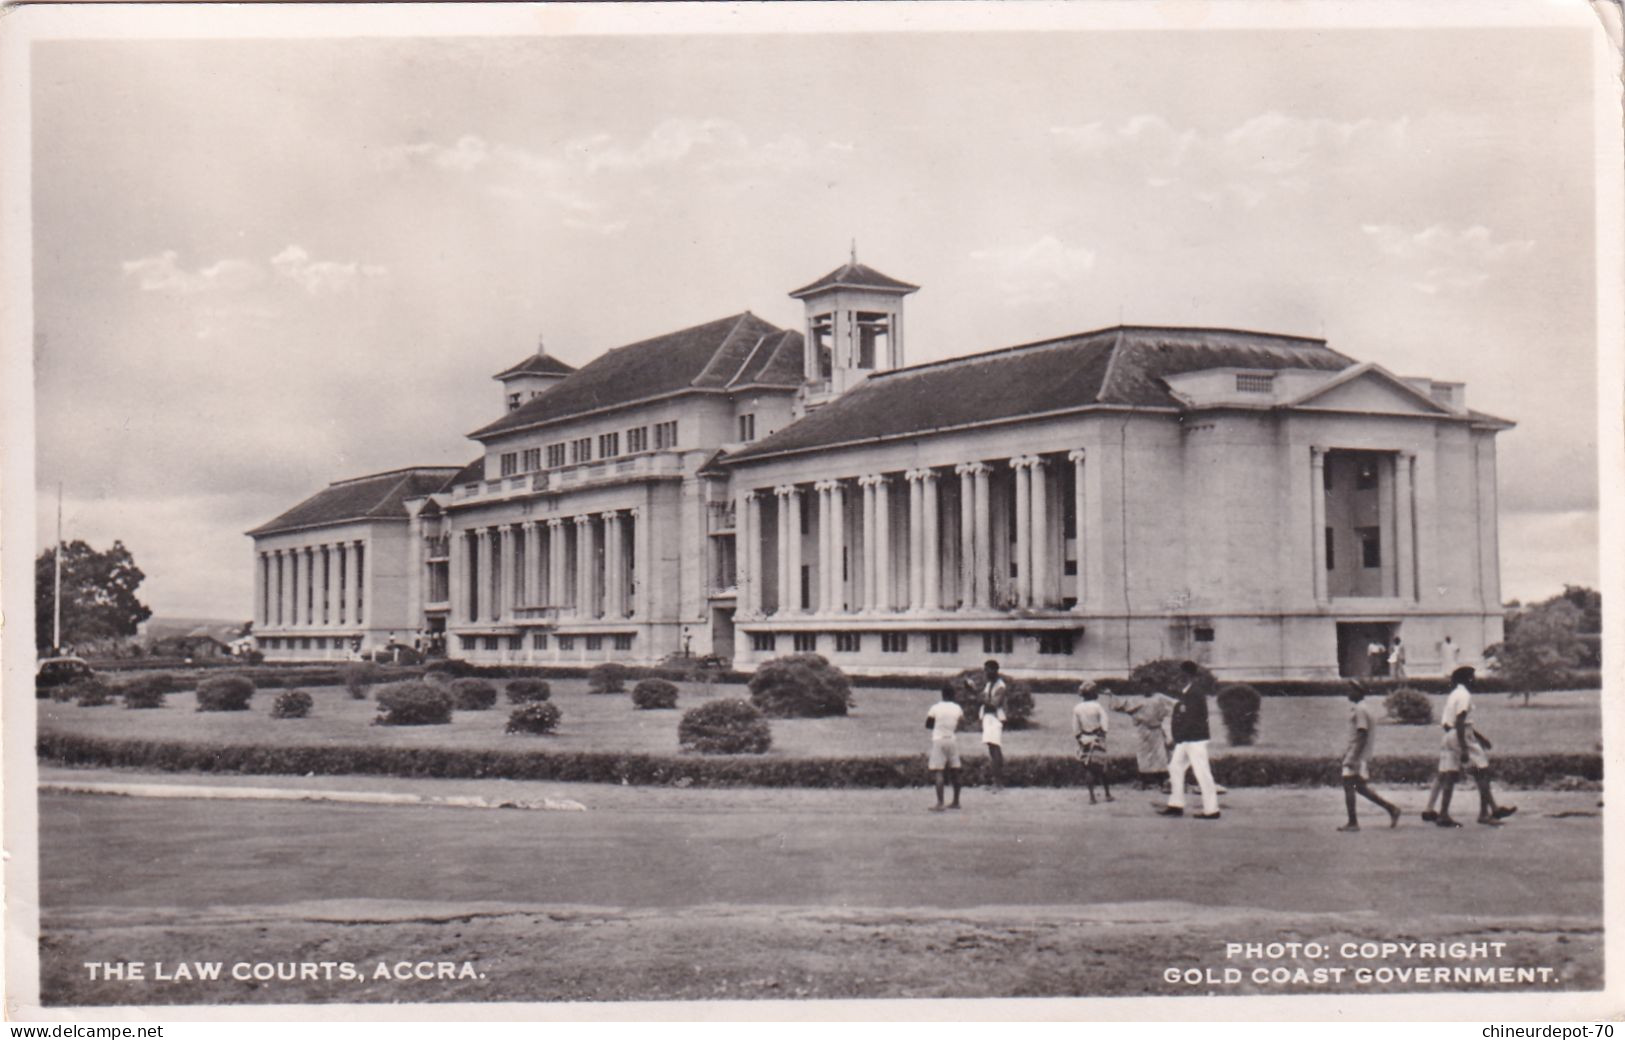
{"x":285,"y":794}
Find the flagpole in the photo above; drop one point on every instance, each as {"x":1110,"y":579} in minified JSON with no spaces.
{"x":56,"y":596}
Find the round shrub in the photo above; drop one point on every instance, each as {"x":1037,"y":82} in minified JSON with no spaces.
{"x":473,"y":694}
{"x":90,"y":693}
{"x":1239,"y":706}
{"x":453,"y":667}
{"x":535,"y":717}
{"x":650,"y":694}
{"x":358,"y":675}
{"x":142,"y":697}
{"x":163,"y":682}
{"x":608,"y":677}
{"x":1018,"y":700}
{"x":1164,"y":676}
{"x":527,"y":691}
{"x":225,"y":693}
{"x":800,"y":686}
{"x":725,"y":727}
{"x":413,"y":704}
{"x":1408,"y":707}
{"x":291,"y":704}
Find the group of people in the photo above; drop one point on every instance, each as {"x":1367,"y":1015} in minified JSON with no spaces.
{"x":1172,"y":736}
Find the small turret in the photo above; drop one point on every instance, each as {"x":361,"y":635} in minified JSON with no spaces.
{"x":854,"y":327}
{"x":531,"y":377}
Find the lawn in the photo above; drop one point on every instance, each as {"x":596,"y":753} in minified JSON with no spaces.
{"x":885,"y":722}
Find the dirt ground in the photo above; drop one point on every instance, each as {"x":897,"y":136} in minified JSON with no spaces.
{"x":659,"y":894}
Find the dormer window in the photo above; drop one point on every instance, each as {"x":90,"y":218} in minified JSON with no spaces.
{"x":1254,"y":383}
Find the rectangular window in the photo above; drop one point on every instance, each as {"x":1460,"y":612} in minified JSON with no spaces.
{"x":848,"y":642}
{"x":513,"y":402}
{"x":763,"y":642}
{"x":747,"y":427}
{"x":595,"y":642}
{"x":1252,"y":383}
{"x":532,"y":460}
{"x":943,"y":642}
{"x":581,"y":450}
{"x":555,"y":455}
{"x":468,"y":642}
{"x":637,"y":439}
{"x":304,"y":643}
{"x":874,"y":338}
{"x":321,"y":642}
{"x":806,"y":642}
{"x":1331,"y":550}
{"x":806,"y":583}
{"x":666,"y":435}
{"x":894,"y":642}
{"x":1203,"y":633}
{"x":510,"y":463}
{"x":516,"y":642}
{"x":822,"y":347}
{"x":609,"y":445}
{"x":1370,"y":546}
{"x":566,"y":642}
{"x":623,"y":641}
{"x":491,"y":642}
{"x":998,"y":643}
{"x":538,"y":640}
{"x":1055,"y":642}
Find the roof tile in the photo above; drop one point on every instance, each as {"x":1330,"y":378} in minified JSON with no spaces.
{"x":381,"y":496}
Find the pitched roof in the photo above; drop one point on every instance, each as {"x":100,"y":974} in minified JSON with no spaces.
{"x":381,"y":496}
{"x":537,"y":365}
{"x":468,"y":474}
{"x":708,"y":356}
{"x":854,"y":275}
{"x":1117,"y":366}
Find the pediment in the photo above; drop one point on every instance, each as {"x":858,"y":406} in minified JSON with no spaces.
{"x":1368,"y":388}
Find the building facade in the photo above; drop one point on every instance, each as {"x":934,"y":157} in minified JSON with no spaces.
{"x":1261,"y":503}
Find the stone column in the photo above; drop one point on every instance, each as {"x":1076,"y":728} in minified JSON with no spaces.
{"x":260,"y":585}
{"x":742,"y":571}
{"x":1076,"y":456}
{"x":826,"y":522}
{"x":837,"y":548}
{"x":865,"y":586}
{"x":307,"y":587}
{"x":883,"y":565}
{"x":967,"y":534}
{"x":641,"y":568}
{"x":279,"y":584}
{"x":984,"y":537}
{"x":1317,"y":513}
{"x":555,"y":565}
{"x":916,"y":539}
{"x":931,"y":550}
{"x":614,"y":584}
{"x":1024,"y":531}
{"x":585,"y":606}
{"x":479,"y":607}
{"x":782,"y":493}
{"x":795,"y":550}
{"x":350,"y":577}
{"x":758,"y":574}
{"x":1405,"y":526}
{"x":535,"y":591}
{"x":455,"y":548}
{"x":505,"y":579}
{"x":1041,"y":535}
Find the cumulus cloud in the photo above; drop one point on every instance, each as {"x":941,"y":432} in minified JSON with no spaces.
{"x":1041,"y":269}
{"x":1443,"y":259}
{"x":322,"y":277}
{"x":162,"y":273}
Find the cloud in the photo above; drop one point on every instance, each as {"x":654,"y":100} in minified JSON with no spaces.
{"x":1441,"y":259}
{"x":323,"y":277}
{"x":1038,"y":270}
{"x":161,"y":273}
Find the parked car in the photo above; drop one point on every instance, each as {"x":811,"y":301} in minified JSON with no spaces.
{"x":59,"y":671}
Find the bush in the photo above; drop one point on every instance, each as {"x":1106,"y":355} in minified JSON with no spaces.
{"x":608,"y":677}
{"x":292,"y":704}
{"x":162,"y":682}
{"x":800,"y":686}
{"x":359,"y":675}
{"x":650,"y":694}
{"x":1018,"y":699}
{"x":1164,"y":676}
{"x":452,"y":667}
{"x":725,"y":727}
{"x":413,"y":704}
{"x":1408,"y":707}
{"x":254,"y":657}
{"x":473,"y":694}
{"x":526,"y":691}
{"x":224,"y":693}
{"x":536,"y":717}
{"x":1239,"y":706}
{"x":90,"y":692}
{"x":142,"y":697}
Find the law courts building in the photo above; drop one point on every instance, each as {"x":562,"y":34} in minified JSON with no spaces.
{"x":1258,"y":502}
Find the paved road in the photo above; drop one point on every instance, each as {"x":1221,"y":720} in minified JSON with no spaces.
{"x":664,"y":848}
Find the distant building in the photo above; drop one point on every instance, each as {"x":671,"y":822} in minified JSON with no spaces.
{"x":1258,"y":502}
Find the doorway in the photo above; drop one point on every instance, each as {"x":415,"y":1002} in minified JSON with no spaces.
{"x":1355,"y":640}
{"x":722,"y":634}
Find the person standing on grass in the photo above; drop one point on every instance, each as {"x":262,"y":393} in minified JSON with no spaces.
{"x":1464,"y":748}
{"x":1449,"y":656}
{"x":1191,"y":736}
{"x":1149,"y":715}
{"x":1357,"y":761}
{"x":995,"y":692}
{"x":943,"y":722}
{"x":1089,"y":730}
{"x":1396,"y":660}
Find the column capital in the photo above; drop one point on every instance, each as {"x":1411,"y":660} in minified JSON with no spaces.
{"x":872,"y":480}
{"x":1317,"y":452}
{"x":584,"y":520}
{"x":634,"y":512}
{"x":482,"y":533}
{"x":555,"y":522}
{"x":1024,"y":462}
{"x":970,"y":469}
{"x":1077,"y":454}
{"x":609,"y":514}
{"x":826,"y":485}
{"x":785,"y":490}
{"x":920,"y":474}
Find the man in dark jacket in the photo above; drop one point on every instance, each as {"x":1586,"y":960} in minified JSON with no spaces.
{"x":1190,"y":732}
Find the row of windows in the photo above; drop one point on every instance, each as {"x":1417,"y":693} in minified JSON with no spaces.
{"x":310,"y":643}
{"x":935,"y":642}
{"x":538,"y":641}
{"x":580,"y":449}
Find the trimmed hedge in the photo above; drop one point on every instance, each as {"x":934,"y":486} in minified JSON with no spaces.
{"x":89,"y":693}
{"x":725,"y":727}
{"x":1408,"y":707}
{"x":292,"y":704}
{"x":654,"y":694}
{"x":473,"y":694}
{"x":70,"y":749}
{"x":537,"y":717}
{"x":1239,"y":707}
{"x":526,"y":691}
{"x":608,"y":677}
{"x":800,"y":686}
{"x":224,"y":693}
{"x":142,"y":697}
{"x":413,"y":704}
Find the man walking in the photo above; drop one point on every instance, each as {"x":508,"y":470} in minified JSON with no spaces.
{"x":1465,"y":750}
{"x":1191,"y":736}
{"x":1357,"y":761}
{"x":943,"y":722}
{"x":994,"y":694}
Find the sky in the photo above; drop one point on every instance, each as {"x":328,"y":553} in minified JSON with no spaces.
{"x":261,"y":265}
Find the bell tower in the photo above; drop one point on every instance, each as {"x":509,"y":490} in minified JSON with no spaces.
{"x":854,"y":328}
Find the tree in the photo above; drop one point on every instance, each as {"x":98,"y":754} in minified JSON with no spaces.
{"x":98,"y":595}
{"x":1540,"y":648}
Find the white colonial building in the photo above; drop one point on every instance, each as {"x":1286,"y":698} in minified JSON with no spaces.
{"x":1261,"y":503}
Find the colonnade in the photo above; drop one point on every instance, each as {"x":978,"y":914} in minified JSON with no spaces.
{"x":582,"y":566}
{"x":311,"y":586}
{"x":886,"y":543}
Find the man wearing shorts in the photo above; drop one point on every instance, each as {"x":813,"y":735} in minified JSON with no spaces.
{"x":994,"y":694}
{"x":1465,"y":749}
{"x":1357,"y":762}
{"x":943,"y":722}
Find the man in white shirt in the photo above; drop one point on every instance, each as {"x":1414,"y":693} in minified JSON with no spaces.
{"x":1396,"y":660}
{"x":1449,"y":656}
{"x":1465,"y":749}
{"x":943,"y":722}
{"x":994,"y":694}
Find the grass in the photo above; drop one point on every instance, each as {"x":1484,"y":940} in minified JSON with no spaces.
{"x":885,"y":722}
